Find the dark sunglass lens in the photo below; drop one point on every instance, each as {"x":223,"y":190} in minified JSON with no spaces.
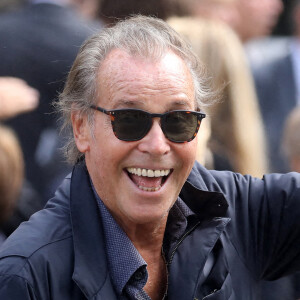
{"x":131,"y":125}
{"x":180,"y":126}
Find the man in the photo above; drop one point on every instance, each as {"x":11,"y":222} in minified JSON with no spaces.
{"x":275,"y":64}
{"x":137,"y":219}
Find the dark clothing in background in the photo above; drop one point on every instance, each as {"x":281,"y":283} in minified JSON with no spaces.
{"x":249,"y":230}
{"x":272,"y":69}
{"x":38,"y":43}
{"x":28,"y":203}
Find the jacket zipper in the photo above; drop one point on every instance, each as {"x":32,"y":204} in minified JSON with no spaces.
{"x":209,"y":294}
{"x":180,"y":241}
{"x":176,"y":247}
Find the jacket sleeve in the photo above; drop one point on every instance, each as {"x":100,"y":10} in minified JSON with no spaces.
{"x":265,"y":220}
{"x":267,"y":223}
{"x":14,"y":287}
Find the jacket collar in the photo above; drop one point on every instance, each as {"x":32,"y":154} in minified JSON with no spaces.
{"x":202,"y":194}
{"x":90,"y":266}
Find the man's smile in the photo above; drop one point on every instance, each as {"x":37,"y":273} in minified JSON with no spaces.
{"x":147,"y":179}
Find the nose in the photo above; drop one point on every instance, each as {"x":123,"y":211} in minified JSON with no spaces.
{"x":155,"y":143}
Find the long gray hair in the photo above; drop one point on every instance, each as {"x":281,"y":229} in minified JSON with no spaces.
{"x":146,"y":37}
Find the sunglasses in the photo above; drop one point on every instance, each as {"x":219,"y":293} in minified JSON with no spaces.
{"x":178,"y":126}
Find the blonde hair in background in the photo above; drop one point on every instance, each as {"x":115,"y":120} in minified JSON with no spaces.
{"x":236,"y":124}
{"x":11,"y":171}
{"x":291,"y":139}
{"x":204,"y":155}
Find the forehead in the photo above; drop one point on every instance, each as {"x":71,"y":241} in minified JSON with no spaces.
{"x":122,"y":74}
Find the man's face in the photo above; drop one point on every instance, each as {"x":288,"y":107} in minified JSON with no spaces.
{"x":128,"y":82}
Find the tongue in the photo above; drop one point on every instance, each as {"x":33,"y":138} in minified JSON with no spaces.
{"x":146,"y":181}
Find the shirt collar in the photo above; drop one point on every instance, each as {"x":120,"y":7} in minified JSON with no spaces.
{"x":123,"y":258}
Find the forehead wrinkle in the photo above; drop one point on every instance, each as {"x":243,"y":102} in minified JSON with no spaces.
{"x":140,"y":82}
{"x":145,"y":81}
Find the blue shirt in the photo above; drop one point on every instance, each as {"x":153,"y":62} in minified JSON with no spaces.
{"x":127,"y":268}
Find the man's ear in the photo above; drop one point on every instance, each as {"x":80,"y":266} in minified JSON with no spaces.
{"x":81,"y":131}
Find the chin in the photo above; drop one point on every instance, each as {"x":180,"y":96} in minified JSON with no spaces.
{"x":150,"y":215}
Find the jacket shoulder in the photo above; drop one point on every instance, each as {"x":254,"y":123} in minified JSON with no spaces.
{"x":16,"y":287}
{"x":40,"y":248}
{"x":45,"y":229}
{"x":36,"y":276}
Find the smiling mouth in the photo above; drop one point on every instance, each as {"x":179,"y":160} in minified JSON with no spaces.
{"x":148,"y":180}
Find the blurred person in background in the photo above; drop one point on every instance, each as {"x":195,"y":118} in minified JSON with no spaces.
{"x":249,"y":19}
{"x":204,"y":154}
{"x":113,"y":11}
{"x":39,"y":42}
{"x":16,"y":97}
{"x":222,"y":10}
{"x":89,"y":9}
{"x":236,"y":123}
{"x":6,"y":5}
{"x":257,"y":18}
{"x":275,"y":64}
{"x":11,"y":175}
{"x":291,"y":139}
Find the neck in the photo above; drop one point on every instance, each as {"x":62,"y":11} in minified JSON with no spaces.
{"x":147,"y":238}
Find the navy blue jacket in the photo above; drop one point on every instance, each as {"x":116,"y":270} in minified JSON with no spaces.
{"x":250,"y":227}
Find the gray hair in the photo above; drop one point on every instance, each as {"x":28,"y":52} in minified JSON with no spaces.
{"x":146,"y":37}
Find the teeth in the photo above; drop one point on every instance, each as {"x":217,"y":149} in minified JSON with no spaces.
{"x":148,"y":173}
{"x":149,"y":189}
{"x":157,"y":173}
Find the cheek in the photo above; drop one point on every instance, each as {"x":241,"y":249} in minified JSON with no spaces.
{"x":187,"y":153}
{"x":192,"y":149}
{"x":108,"y":154}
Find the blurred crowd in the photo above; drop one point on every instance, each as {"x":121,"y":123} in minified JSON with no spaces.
{"x":252,"y":128}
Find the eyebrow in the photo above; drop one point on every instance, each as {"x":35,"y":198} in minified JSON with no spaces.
{"x":140,"y":103}
{"x":127,"y":103}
